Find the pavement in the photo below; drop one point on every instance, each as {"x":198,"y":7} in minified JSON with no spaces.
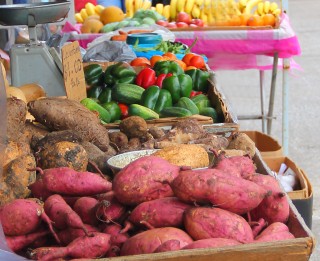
{"x":242,"y":90}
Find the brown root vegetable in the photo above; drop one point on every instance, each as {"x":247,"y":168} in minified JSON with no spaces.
{"x":163,"y":212}
{"x":241,"y":141}
{"x":211,"y":243}
{"x":38,"y":253}
{"x":211,"y":141}
{"x":65,"y":114}
{"x":148,"y":241}
{"x":274,"y":232}
{"x":275,"y":206}
{"x":64,"y":154}
{"x":133,"y":144}
{"x":134,"y":127}
{"x":144,"y":179}
{"x":207,"y":186}
{"x":156,"y":132}
{"x":34,"y":129}
{"x":190,"y":155}
{"x":233,"y":152}
{"x":16,"y":118}
{"x":13,"y":150}
{"x":204,"y":222}
{"x":119,"y":139}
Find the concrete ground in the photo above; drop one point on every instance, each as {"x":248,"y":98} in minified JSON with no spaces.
{"x":242,"y":90}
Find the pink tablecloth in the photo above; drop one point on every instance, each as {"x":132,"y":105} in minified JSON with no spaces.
{"x":243,"y":49}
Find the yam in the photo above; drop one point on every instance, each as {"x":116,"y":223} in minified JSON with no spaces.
{"x":119,"y":139}
{"x":65,"y":114}
{"x":34,"y":129}
{"x":16,"y":118}
{"x":241,"y":141}
{"x":134,"y":127}
{"x":13,"y":150}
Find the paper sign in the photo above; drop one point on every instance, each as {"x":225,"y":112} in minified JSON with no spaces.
{"x":73,"y":74}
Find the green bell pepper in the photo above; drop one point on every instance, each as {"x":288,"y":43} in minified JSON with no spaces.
{"x":93,"y":74}
{"x":119,"y":73}
{"x":105,"y":95}
{"x":167,"y":67}
{"x":94,"y":91}
{"x":178,"y":85}
{"x":156,"y":99}
{"x":199,"y":79}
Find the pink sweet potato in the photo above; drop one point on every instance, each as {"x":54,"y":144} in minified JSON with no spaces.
{"x":274,"y":207}
{"x":211,"y":243}
{"x":85,"y":207}
{"x":204,"y":222}
{"x":258,"y":226}
{"x":117,"y":238}
{"x":144,"y":179}
{"x":163,"y":212}
{"x":110,"y":210}
{"x":82,"y":247}
{"x":148,"y":241}
{"x":39,"y":190}
{"x":62,"y":214}
{"x":17,"y":243}
{"x":67,"y":181}
{"x":238,"y":166}
{"x":66,"y":236}
{"x":23,"y":216}
{"x":38,"y":253}
{"x":212,"y":186}
{"x":276,"y":231}
{"x":170,"y":245}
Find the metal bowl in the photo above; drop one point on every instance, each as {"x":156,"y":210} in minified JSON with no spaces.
{"x":38,"y":13}
{"x":118,"y":162}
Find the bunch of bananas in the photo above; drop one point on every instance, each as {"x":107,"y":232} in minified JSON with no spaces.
{"x":89,"y":10}
{"x":134,"y":5}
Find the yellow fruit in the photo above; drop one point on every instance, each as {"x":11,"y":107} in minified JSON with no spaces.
{"x":91,"y":26}
{"x":266,"y":7}
{"x":273,"y":6}
{"x":84,"y":14}
{"x":98,"y":9}
{"x":111,"y":14}
{"x":173,"y":9}
{"x":95,"y":16}
{"x":189,"y":6}
{"x":199,"y":2}
{"x":159,"y":8}
{"x":276,"y":12}
{"x":137,"y":4}
{"x":146,"y":4}
{"x":260,"y":8}
{"x":166,"y":11}
{"x":90,"y":8}
{"x":180,"y":5}
{"x":129,"y":8}
{"x":78,"y":18}
{"x":250,"y":6}
{"x":195,"y":13}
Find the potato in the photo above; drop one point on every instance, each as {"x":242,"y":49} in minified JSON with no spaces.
{"x":13,"y":150}
{"x":16,"y":117}
{"x":134,"y":127}
{"x":118,"y":138}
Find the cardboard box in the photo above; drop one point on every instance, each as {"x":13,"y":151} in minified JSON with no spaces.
{"x":267,"y":145}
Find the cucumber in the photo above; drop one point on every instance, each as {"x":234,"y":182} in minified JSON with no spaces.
{"x":201,"y":101}
{"x":210,"y":112}
{"x":142,"y":111}
{"x":175,"y":112}
{"x":127,"y":93}
{"x":93,"y":106}
{"x":114,"y":110}
{"x":185,"y":102}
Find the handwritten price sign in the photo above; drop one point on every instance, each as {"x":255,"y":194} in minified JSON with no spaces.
{"x":73,"y":75}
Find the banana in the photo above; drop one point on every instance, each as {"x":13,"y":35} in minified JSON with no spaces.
{"x":78,"y":18}
{"x":90,"y":8}
{"x":273,"y":6}
{"x":98,"y":9}
{"x":203,"y":16}
{"x":207,"y":2}
{"x":243,"y":3}
{"x":189,"y":6}
{"x":276,"y":12}
{"x":173,"y":9}
{"x":137,"y":5}
{"x":146,"y":5}
{"x":250,"y":6}
{"x":260,"y":8}
{"x":195,"y":13}
{"x":129,"y":8}
{"x":153,"y":8}
{"x":266,"y":7}
{"x":166,"y":11}
{"x":199,"y":2}
{"x":159,"y":8}
{"x":211,"y":19}
{"x":83,"y":13}
{"x":180,"y":5}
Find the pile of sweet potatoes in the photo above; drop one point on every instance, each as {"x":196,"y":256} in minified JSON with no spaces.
{"x":150,"y":206}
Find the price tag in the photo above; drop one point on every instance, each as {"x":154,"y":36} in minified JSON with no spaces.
{"x":73,"y":74}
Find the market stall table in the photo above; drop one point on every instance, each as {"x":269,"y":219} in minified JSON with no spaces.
{"x":251,"y":49}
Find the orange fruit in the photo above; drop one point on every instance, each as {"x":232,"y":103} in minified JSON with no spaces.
{"x":156,"y":58}
{"x":269,"y":19}
{"x":187,"y":57}
{"x":197,"y":61}
{"x":235,"y":21}
{"x":91,"y":26}
{"x":181,"y":63}
{"x":244,"y":19}
{"x":140,"y":61}
{"x":190,"y":68}
{"x":255,"y":20}
{"x":111,"y":14}
{"x":170,"y":55}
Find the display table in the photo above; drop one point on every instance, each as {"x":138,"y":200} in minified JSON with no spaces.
{"x":251,"y":49}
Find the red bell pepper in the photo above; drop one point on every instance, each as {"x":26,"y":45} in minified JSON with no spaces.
{"x":161,"y":77}
{"x":124,"y":110}
{"x":146,"y":78}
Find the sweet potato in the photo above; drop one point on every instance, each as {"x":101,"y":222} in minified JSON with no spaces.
{"x":238,"y":166}
{"x":61,"y":214}
{"x":66,"y":236}
{"x":212,"y":186}
{"x":211,"y":243}
{"x":276,"y":231}
{"x":85,"y":207}
{"x":258,"y":227}
{"x":148,"y":241}
{"x":110,"y":210}
{"x":274,"y":207}
{"x":82,"y":247}
{"x":64,"y":154}
{"x":39,"y":190}
{"x":17,"y":243}
{"x":65,"y":114}
{"x":144,"y":179}
{"x":163,"y":212}
{"x":38,"y":253}
{"x":67,"y":181}
{"x":117,"y":238}
{"x":170,"y":245}
{"x":204,"y":222}
{"x":23,"y":216}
